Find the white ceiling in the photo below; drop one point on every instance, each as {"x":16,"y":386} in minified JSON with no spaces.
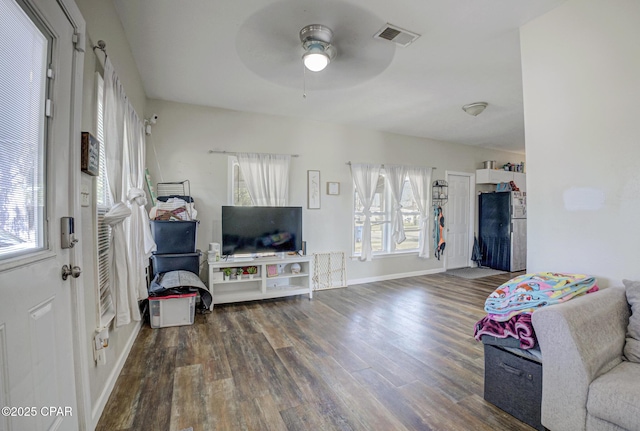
{"x":245,"y":55}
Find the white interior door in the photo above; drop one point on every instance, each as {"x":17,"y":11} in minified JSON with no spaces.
{"x":458,"y":220}
{"x":36,"y":349}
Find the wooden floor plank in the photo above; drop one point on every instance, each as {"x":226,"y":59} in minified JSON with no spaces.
{"x":118,"y":414}
{"x":318,"y":393}
{"x":389,"y":355}
{"x":223,"y":405}
{"x":272,"y":418}
{"x":188,"y":405}
{"x":153,"y":410}
{"x":389,"y":395}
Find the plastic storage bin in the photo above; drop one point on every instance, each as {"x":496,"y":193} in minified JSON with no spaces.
{"x":172,"y":310}
{"x":174,"y":236}
{"x":176,"y":262}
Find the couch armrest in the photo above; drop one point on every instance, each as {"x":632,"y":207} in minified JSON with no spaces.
{"x":580,"y":340}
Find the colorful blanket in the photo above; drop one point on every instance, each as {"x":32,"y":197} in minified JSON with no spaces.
{"x":527,"y":292}
{"x":518,"y":327}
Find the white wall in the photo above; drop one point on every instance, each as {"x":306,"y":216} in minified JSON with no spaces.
{"x":102,"y":23}
{"x":185,"y":133}
{"x":581,"y":76}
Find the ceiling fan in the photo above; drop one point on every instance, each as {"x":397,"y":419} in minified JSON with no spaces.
{"x":316,"y":41}
{"x":272,"y":40}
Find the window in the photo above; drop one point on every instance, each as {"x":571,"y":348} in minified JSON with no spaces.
{"x":381,"y":218}
{"x":106,"y":310}
{"x":24,"y":55}
{"x":259,"y":179}
{"x":239,"y":191}
{"x":410,"y":219}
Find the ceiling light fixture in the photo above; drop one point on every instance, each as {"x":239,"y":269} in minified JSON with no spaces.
{"x":316,"y":41}
{"x":315,"y":59}
{"x":475,"y":109}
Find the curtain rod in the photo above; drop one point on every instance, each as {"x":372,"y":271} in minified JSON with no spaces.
{"x":102,"y":46}
{"x":233,"y":153}
{"x":349,"y":163}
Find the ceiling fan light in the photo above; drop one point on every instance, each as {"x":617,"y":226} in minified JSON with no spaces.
{"x":315,"y":59}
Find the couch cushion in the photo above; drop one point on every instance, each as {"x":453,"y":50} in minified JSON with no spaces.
{"x":632,"y":345}
{"x":615,"y":396}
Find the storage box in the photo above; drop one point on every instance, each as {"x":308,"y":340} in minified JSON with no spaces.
{"x":514,"y":384}
{"x":176,"y":262}
{"x":172,"y":310}
{"x":174,"y":236}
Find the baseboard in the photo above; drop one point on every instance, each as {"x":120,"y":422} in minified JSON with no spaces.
{"x":394,"y":276}
{"x":101,"y":402}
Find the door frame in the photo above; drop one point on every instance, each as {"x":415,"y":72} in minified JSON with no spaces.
{"x":472,"y":209}
{"x":78,"y":327}
{"x":80,"y":345}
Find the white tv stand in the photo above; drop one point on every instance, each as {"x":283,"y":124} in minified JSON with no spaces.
{"x":262,"y":285}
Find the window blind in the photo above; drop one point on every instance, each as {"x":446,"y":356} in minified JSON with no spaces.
{"x":106,"y":309}
{"x":24,"y":52}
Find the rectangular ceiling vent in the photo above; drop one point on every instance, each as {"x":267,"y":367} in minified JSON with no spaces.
{"x":395,"y":34}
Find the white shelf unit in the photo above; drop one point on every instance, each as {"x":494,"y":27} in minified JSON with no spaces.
{"x":285,"y":283}
{"x":496,"y":176}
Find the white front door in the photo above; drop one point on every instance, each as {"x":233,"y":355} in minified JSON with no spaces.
{"x":458,"y":220}
{"x":37,"y":383}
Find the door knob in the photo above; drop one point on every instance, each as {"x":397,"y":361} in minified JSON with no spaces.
{"x":74,"y":271}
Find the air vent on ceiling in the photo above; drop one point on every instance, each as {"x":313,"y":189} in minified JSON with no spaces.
{"x":396,"y":35}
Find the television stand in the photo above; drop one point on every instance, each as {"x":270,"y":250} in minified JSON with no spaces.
{"x":274,"y":279}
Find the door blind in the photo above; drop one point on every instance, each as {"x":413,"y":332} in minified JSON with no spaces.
{"x":24,"y":52}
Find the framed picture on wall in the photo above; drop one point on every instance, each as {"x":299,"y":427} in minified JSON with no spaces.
{"x":90,"y":157}
{"x":313,"y":190}
{"x":333,"y":188}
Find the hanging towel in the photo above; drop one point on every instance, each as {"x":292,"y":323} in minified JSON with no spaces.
{"x":438,"y":232}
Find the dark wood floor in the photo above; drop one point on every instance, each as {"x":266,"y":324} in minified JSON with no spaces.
{"x":393,"y":355}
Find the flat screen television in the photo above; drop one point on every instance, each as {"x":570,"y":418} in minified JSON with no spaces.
{"x":252,"y":230}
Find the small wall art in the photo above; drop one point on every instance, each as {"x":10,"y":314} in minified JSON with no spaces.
{"x":313,"y":190}
{"x":90,"y":156}
{"x":333,"y":188}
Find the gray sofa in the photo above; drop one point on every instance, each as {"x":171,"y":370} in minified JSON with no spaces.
{"x":586,"y":383}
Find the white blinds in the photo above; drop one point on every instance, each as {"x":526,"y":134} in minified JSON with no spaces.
{"x":23,"y":65}
{"x":106,"y":309}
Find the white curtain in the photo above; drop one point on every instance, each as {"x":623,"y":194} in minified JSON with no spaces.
{"x":420,"y":180}
{"x":267,"y":178}
{"x":120,"y":132}
{"x":365,"y":179}
{"x":395,"y":175}
{"x":140,"y":240}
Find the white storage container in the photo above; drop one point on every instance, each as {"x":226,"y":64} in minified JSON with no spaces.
{"x":172,"y":310}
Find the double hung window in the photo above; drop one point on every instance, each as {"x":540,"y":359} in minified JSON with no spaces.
{"x":382,"y":213}
{"x":239,"y":190}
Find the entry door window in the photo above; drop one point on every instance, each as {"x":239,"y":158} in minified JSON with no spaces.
{"x":24,"y":51}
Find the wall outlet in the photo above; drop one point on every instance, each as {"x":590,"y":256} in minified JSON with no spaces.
{"x":101,"y":342}
{"x":101,"y":357}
